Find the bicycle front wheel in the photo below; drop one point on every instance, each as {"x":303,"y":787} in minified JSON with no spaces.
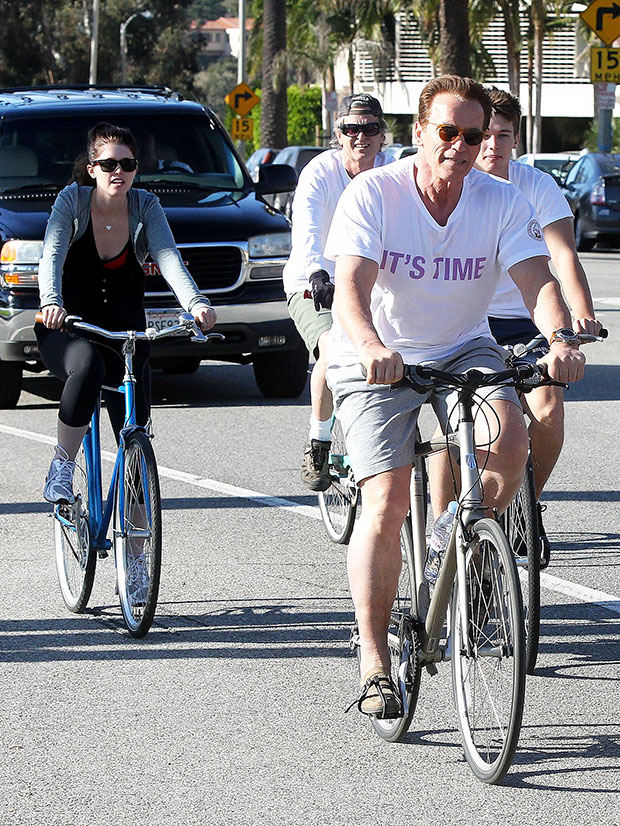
{"x":338,"y":504}
{"x":521,"y":525}
{"x":137,"y":534}
{"x":488,"y":654}
{"x":75,"y":558}
{"x":403,"y":644}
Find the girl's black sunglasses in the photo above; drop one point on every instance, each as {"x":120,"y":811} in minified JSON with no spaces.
{"x":111,"y":164}
{"x":370,"y":130}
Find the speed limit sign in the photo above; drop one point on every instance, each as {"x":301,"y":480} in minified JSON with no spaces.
{"x":242,"y":129}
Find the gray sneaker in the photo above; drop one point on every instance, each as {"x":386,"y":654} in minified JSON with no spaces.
{"x":59,"y":481}
{"x":315,"y":465}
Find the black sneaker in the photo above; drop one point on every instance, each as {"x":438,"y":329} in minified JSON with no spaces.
{"x":545,"y":547}
{"x":315,"y":465}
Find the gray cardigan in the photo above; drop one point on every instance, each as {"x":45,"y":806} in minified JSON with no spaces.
{"x":148,"y":230}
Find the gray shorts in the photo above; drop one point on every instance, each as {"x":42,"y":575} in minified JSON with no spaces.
{"x":379,"y":422}
{"x":310,"y":324}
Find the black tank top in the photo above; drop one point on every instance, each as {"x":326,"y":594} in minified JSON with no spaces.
{"x":107,"y":293}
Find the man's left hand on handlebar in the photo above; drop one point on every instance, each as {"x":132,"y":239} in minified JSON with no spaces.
{"x":565,"y":363}
{"x":205,"y":317}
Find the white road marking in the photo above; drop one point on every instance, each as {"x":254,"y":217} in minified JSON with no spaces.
{"x":609,"y":299}
{"x":551,"y":583}
{"x":311,"y":511}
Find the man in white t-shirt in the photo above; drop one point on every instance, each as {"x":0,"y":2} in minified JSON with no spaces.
{"x":419,"y":246}
{"x":509,"y":318}
{"x":358,"y":134}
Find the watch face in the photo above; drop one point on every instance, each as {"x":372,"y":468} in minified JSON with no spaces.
{"x":563,"y":334}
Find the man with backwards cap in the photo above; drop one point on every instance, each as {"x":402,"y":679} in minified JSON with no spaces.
{"x":358,"y":135}
{"x":419,"y":246}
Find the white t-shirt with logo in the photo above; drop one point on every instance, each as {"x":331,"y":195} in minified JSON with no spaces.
{"x":321,"y":182}
{"x":434,"y":282}
{"x":549,"y":205}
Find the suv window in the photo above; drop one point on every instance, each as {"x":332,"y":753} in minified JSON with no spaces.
{"x":42,"y":152}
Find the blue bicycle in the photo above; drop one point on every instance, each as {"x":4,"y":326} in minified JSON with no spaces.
{"x":133,"y":503}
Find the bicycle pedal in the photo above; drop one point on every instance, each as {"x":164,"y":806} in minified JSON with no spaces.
{"x":102,"y":554}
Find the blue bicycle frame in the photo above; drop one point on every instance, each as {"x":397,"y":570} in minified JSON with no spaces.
{"x":99,"y":519}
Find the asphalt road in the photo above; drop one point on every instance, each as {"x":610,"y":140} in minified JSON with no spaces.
{"x":231,"y":710}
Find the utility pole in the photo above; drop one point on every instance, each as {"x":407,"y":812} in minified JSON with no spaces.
{"x":241,"y":59}
{"x":94,"y":42}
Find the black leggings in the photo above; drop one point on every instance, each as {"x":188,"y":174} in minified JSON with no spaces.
{"x":84,"y":366}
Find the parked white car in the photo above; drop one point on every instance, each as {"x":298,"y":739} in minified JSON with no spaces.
{"x":557,"y":164}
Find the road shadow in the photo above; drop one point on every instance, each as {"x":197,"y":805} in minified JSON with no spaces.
{"x":291,"y":628}
{"x":212,"y":385}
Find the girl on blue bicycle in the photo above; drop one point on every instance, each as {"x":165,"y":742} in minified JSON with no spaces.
{"x":99,"y":233}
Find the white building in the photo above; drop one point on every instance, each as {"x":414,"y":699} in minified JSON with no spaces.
{"x":567,"y":90}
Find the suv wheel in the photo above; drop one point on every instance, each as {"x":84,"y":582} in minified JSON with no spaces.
{"x":582,"y":243}
{"x":10,"y":383}
{"x":282,"y":375}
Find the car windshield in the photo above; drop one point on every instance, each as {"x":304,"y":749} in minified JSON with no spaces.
{"x":41,"y":153}
{"x":610,"y":166}
{"x":558,"y":167}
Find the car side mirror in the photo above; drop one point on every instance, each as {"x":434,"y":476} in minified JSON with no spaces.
{"x":276,"y":177}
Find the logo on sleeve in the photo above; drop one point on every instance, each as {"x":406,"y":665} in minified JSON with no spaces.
{"x":534,"y":230}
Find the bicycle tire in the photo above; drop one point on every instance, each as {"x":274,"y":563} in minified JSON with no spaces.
{"x":399,"y":636}
{"x":75,"y":558}
{"x":338,"y":504}
{"x":489,"y":681}
{"x":521,"y":527}
{"x":137,"y":548}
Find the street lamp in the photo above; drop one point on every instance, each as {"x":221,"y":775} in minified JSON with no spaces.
{"x":148,"y":15}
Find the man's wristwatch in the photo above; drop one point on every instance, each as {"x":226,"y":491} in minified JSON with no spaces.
{"x":565,"y":335}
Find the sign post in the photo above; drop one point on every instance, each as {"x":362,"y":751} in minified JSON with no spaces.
{"x":603,"y":17}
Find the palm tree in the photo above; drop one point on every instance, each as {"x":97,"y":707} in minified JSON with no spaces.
{"x":454,"y":37}
{"x":273,"y":119}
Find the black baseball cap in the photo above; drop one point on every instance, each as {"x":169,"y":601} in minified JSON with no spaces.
{"x":359,"y":105}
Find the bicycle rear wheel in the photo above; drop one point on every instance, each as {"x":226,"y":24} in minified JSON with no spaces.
{"x":75,"y":558}
{"x":137,"y":534}
{"x":488,"y":654}
{"x":521,"y":526}
{"x":403,"y":643}
{"x":338,"y":504}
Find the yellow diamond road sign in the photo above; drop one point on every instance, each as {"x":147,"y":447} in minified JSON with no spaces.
{"x":603,"y":17}
{"x":242,"y":99}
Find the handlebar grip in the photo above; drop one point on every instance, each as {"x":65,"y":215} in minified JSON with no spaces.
{"x":603,"y":332}
{"x":39,"y":317}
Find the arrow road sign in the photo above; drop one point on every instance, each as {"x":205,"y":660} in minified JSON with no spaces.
{"x":242,"y":99}
{"x":603,"y":17}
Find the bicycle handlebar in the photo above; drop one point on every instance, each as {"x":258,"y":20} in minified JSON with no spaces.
{"x":417,"y":374}
{"x":518,"y":350}
{"x":186,"y":324}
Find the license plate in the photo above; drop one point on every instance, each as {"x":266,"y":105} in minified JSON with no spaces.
{"x":162,"y":319}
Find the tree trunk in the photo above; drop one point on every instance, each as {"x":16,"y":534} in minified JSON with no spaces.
{"x":539,"y":36}
{"x":273,"y":118}
{"x":454,"y":38}
{"x":512,"y":36}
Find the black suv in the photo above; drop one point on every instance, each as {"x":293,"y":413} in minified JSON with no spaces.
{"x":232,"y":241}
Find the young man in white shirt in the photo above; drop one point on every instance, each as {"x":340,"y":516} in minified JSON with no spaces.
{"x":509,"y":318}
{"x":419,"y":246}
{"x":358,"y":135}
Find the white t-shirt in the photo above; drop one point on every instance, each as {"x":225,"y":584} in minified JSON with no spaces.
{"x":321,"y":182}
{"x":549,"y":205}
{"x":434,"y":283}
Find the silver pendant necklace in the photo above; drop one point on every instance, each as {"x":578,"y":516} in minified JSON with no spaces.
{"x":108,"y":227}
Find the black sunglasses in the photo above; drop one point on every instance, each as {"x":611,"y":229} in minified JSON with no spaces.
{"x":449,"y":133}
{"x":111,"y":164}
{"x":367,"y":129}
